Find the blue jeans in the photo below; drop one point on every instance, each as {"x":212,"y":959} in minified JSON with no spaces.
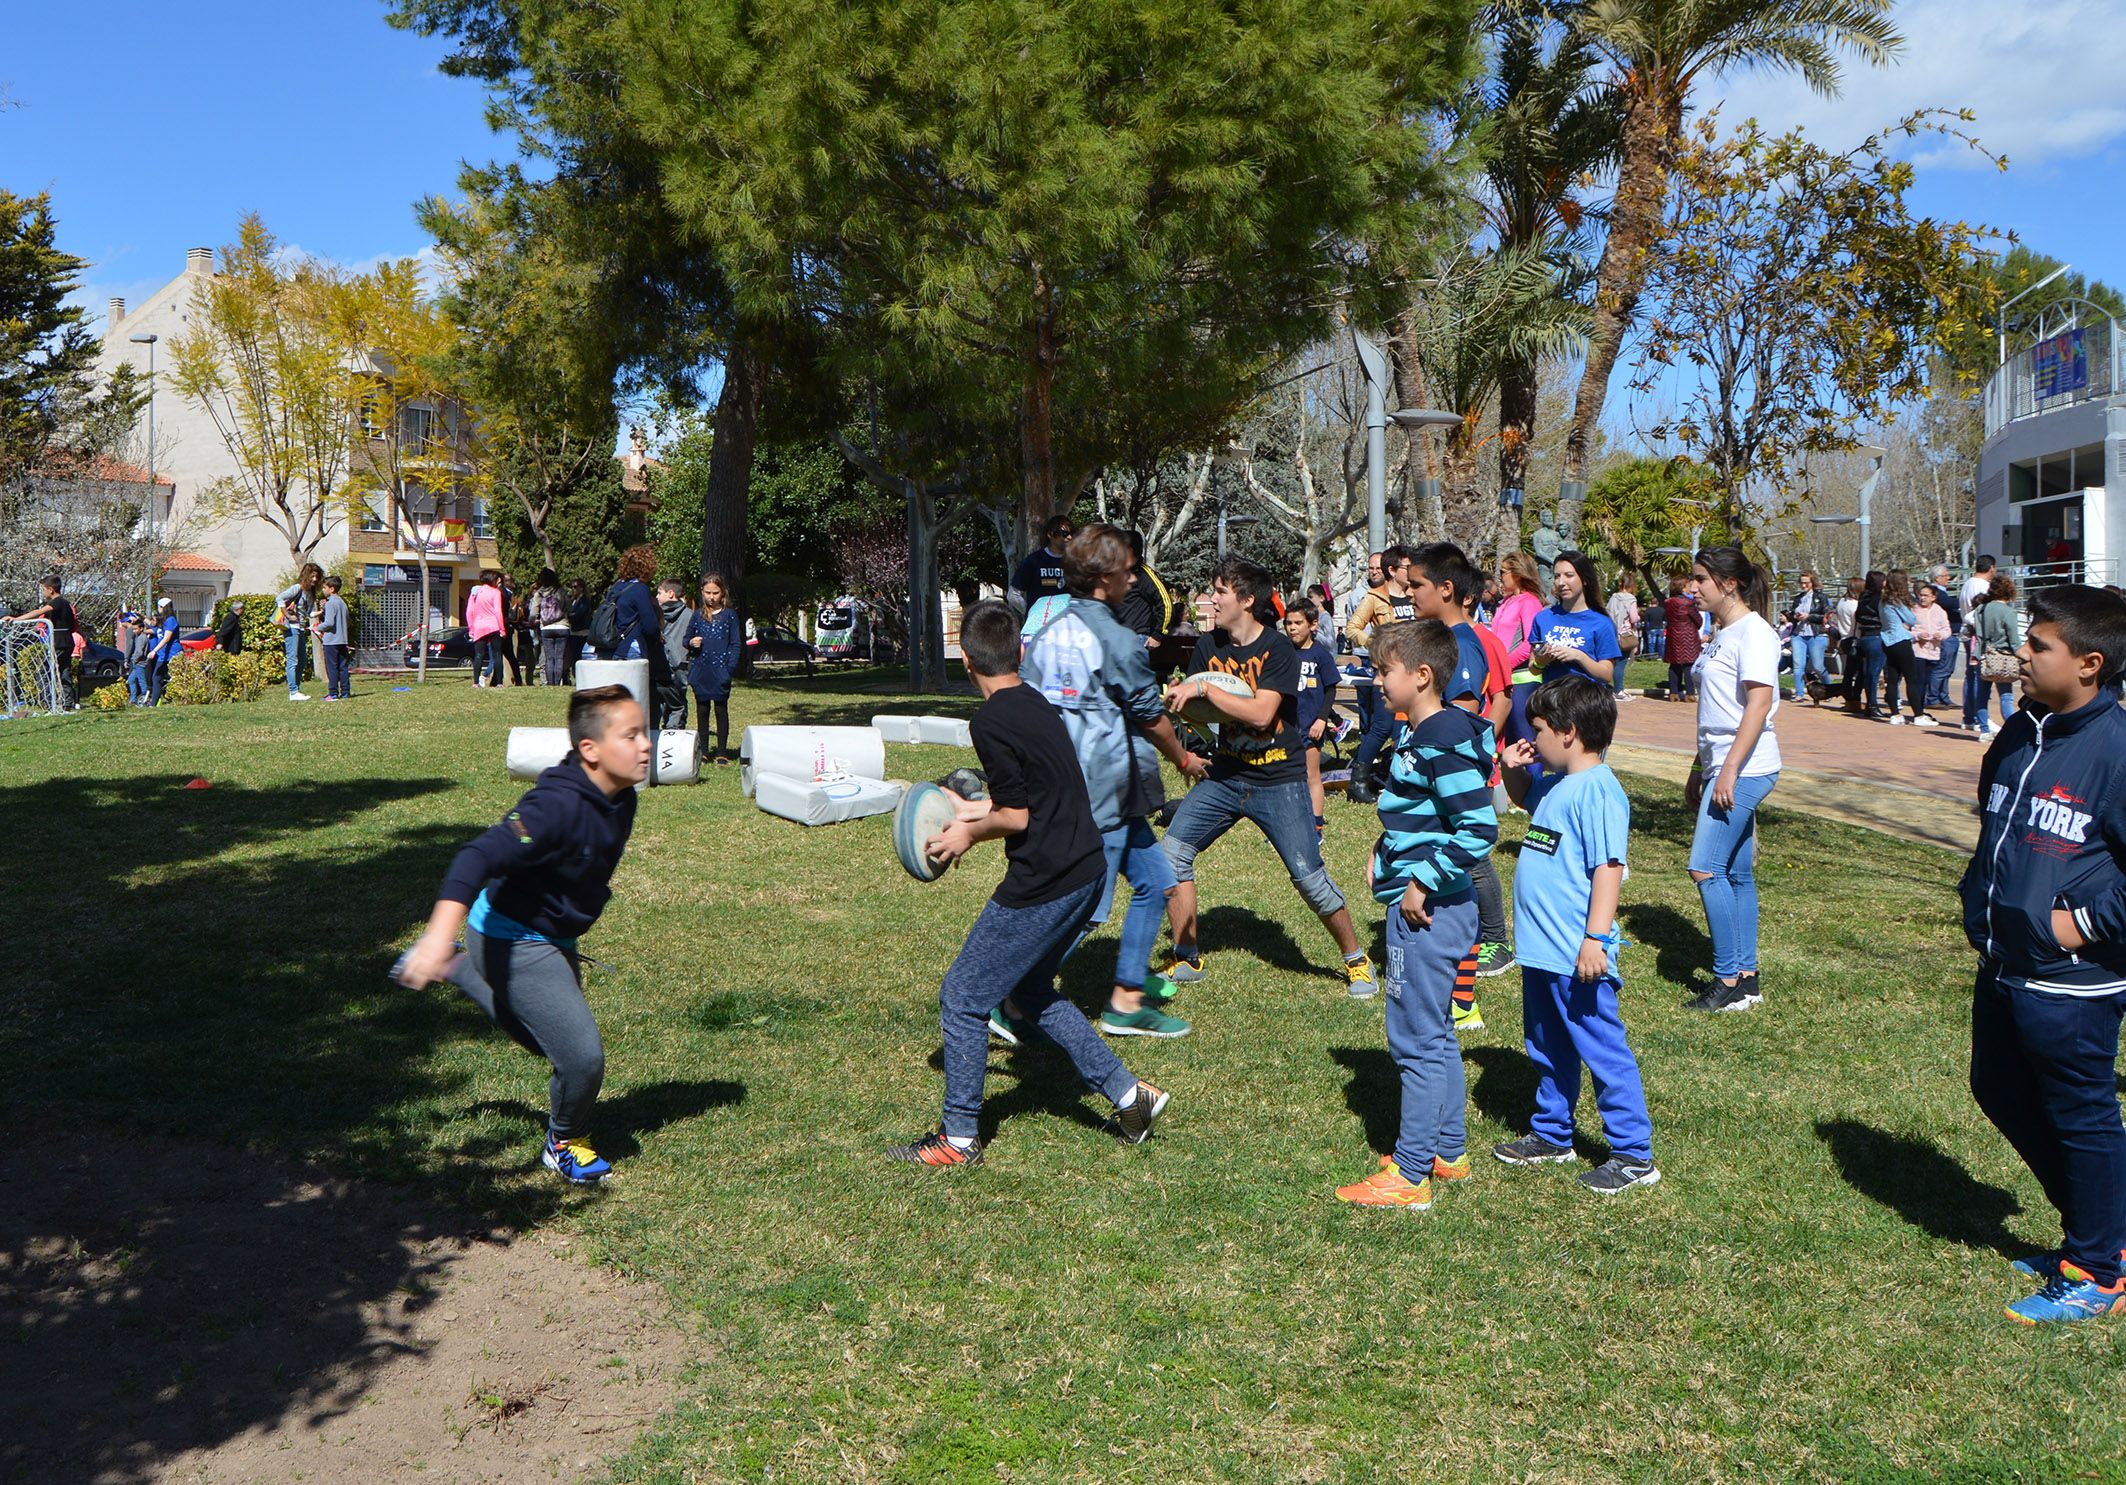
{"x":1284,"y":812}
{"x":1379,"y":731}
{"x":1366,"y":703}
{"x":1872,"y":658}
{"x":2044,"y":1070}
{"x":1570,"y":1023}
{"x":1014,"y":953}
{"x":1422,"y":963}
{"x":1809,"y":651}
{"x":1725,"y":847}
{"x":339,"y":672}
{"x":294,"y":642}
{"x":137,"y":688}
{"x":1938,"y":679}
{"x":1134,"y":852}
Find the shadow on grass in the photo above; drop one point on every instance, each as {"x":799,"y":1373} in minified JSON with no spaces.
{"x":222,"y":971}
{"x":617,"y":1121}
{"x":1501,"y":1084}
{"x":1239,"y":929}
{"x":1680,"y":944}
{"x":1917,"y":1180}
{"x":1374,"y":1093}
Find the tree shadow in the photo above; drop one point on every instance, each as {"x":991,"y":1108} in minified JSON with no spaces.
{"x":1923,"y":1184}
{"x":214,"y":961}
{"x":1681,"y":945}
{"x":1373,"y":1092}
{"x":1225,"y":929}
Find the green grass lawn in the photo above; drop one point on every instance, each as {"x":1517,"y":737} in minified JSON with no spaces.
{"x":1813,"y":1291}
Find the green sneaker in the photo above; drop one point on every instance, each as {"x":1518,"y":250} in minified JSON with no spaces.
{"x":1159,"y":989}
{"x":1468,"y":1018}
{"x":1011,"y":1033}
{"x":1147,"y":1021}
{"x":1493,"y":959}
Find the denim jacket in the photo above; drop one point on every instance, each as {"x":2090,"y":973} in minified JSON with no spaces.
{"x":1099,"y":676}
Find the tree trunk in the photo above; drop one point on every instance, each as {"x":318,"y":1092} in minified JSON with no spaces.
{"x":1517,"y":395}
{"x":1651,"y":124}
{"x":1037,"y":448}
{"x":723,"y":523}
{"x":926,"y":609}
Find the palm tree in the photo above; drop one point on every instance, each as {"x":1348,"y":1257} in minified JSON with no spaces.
{"x":1552,"y":133}
{"x":1657,"y":51}
{"x":1476,"y":318}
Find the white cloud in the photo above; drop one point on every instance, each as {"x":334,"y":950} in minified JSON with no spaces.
{"x":2042,"y":80}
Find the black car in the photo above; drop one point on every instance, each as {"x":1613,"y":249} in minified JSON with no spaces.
{"x":101,"y":666}
{"x":446,"y":647}
{"x":771,"y":644}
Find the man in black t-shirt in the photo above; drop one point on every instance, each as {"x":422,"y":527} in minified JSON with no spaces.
{"x":1258,"y":773}
{"x":59,"y":613}
{"x":1039,"y":808}
{"x":1040,"y":574}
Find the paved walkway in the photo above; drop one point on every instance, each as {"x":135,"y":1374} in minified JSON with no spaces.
{"x":1917,"y":783}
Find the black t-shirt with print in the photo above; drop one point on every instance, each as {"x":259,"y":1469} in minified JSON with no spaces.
{"x":1403,"y":609}
{"x":1031,"y":765}
{"x":1259,"y":755}
{"x":63,"y":624}
{"x":1039,"y":575}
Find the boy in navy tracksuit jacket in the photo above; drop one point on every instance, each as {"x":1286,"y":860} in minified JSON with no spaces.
{"x":2045,"y":906}
{"x":522,"y":894}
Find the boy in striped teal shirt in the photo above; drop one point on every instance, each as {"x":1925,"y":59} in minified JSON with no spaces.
{"x":1436,"y":822}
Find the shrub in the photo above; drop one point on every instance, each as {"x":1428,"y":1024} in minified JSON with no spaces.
{"x":212,"y":676}
{"x":261,"y":634}
{"x":109,"y":698}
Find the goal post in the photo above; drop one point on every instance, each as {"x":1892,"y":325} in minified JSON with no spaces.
{"x":32,"y":668}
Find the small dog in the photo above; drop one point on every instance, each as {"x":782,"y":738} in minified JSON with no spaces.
{"x":1820,"y":691}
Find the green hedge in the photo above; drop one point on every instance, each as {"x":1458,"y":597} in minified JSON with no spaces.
{"x":211,"y":676}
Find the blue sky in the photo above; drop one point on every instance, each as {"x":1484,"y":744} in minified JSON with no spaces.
{"x":154,"y":126}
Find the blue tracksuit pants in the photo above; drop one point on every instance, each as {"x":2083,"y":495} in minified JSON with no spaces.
{"x":1571,"y":1023}
{"x":1421,"y":967}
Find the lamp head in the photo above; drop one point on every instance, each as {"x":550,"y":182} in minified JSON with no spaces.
{"x":144,"y":339}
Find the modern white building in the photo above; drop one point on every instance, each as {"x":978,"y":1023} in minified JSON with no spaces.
{"x":2052,"y":473}
{"x":217,"y":556}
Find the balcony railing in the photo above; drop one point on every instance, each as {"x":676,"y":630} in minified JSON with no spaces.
{"x":2013,"y":391}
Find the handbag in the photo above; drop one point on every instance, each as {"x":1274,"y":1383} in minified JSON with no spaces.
{"x":1999,"y":667}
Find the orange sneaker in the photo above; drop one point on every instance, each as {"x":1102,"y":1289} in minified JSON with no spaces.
{"x":1451,"y":1170}
{"x":1387,"y":1188}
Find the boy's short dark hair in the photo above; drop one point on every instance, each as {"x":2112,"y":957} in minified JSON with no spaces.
{"x":1445,"y":565}
{"x":1579,"y":705}
{"x":2091,"y":621}
{"x":1305,"y":607}
{"x":1396,"y":556}
{"x":51,"y":581}
{"x":1416,"y":642}
{"x":590,"y":713}
{"x":989,"y":638}
{"x":1245,"y":578}
{"x":332,"y":581}
{"x":1056,"y":526}
{"x":1983,"y":565}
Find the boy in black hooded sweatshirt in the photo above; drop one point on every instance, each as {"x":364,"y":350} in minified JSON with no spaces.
{"x":523,"y":893}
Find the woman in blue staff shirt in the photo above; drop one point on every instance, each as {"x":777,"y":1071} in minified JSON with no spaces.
{"x":1573,"y":634}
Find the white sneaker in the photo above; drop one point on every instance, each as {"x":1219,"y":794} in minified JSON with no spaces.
{"x":297,"y":696}
{"x":1897,"y":719}
{"x":1924,"y":721}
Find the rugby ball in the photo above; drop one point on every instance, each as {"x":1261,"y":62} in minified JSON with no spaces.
{"x":1200,"y":708}
{"x":924,"y":811}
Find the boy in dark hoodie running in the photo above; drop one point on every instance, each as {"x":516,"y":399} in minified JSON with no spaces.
{"x":524,"y":892}
{"x":2045,"y":906}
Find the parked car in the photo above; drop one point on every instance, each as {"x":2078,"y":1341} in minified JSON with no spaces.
{"x":446,"y":647}
{"x":771,"y":644}
{"x":101,"y":665}
{"x":195,"y":640}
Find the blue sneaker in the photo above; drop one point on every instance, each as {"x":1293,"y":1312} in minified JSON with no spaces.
{"x":2074,"y":1295}
{"x":575,"y":1161}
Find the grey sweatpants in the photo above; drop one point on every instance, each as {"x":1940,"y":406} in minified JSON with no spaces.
{"x":534,"y":991}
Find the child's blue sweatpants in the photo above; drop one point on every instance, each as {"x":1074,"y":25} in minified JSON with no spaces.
{"x":1421,"y":967}
{"x":1570,"y":1023}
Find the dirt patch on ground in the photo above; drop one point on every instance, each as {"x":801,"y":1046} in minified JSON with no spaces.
{"x":174,"y":1312}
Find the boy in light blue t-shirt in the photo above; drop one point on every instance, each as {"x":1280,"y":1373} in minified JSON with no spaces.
{"x":1565,"y":891}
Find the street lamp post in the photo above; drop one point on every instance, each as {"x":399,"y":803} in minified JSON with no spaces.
{"x":1867,"y":500}
{"x":154,"y":522}
{"x":1373,"y":362}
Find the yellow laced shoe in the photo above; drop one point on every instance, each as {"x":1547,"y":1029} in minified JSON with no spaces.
{"x":1386,"y":1187}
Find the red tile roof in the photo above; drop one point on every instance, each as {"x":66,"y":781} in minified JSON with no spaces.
{"x":191,"y":562}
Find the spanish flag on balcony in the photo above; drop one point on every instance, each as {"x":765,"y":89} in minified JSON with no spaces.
{"x":453,"y":531}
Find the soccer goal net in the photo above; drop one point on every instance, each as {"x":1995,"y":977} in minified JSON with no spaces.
{"x":31,"y":668}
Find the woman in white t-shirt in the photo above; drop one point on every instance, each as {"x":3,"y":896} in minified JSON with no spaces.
{"x":1737,"y":681}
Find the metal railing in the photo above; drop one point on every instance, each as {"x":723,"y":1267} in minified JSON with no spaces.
{"x":2012,"y":393}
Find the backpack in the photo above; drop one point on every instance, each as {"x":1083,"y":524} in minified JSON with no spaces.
{"x":605,"y":635}
{"x":552,"y":609}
